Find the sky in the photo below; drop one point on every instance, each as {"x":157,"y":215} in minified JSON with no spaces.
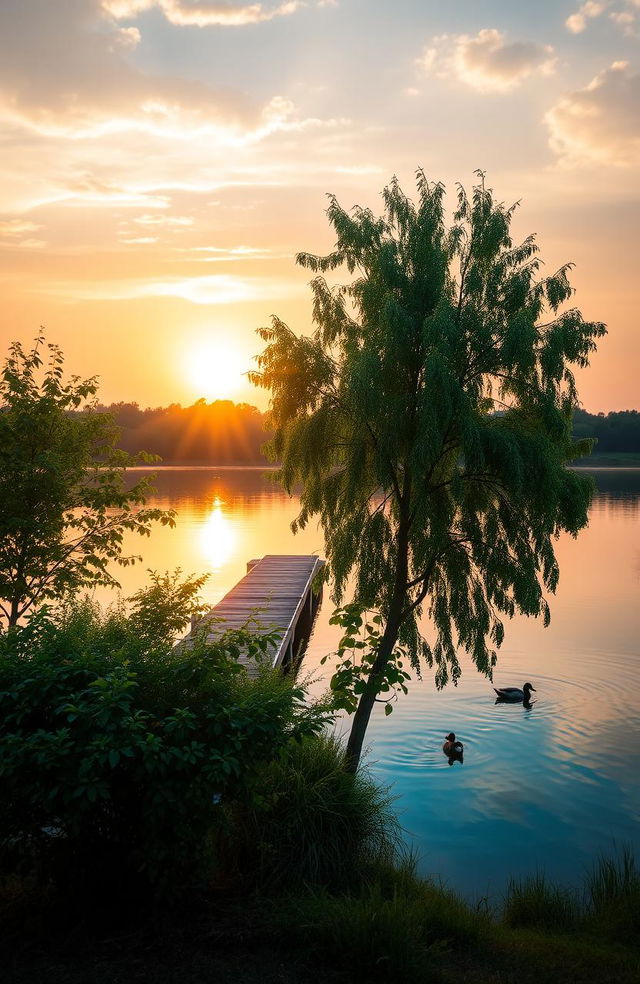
{"x":162,"y":161}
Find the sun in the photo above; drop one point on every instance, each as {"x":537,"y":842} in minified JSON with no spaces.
{"x":216,"y":369}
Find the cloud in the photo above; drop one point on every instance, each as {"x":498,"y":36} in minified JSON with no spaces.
{"x":179,"y":221}
{"x":488,"y":61}
{"x":624,"y":14}
{"x":576,"y":23}
{"x":95,"y":92}
{"x":10,"y":228}
{"x":213,"y":289}
{"x":93,"y":89}
{"x":203,"y":13}
{"x":600,"y":122}
{"x":12,"y":231}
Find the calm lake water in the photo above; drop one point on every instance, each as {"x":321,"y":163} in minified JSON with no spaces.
{"x":549,"y":787}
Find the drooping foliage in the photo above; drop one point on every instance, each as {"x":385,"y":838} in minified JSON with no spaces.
{"x":64,"y":504}
{"x":428,"y":417}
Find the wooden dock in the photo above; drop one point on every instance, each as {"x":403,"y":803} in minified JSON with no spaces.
{"x":277,"y":592}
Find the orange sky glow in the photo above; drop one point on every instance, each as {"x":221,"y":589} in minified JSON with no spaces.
{"x":164,"y":160}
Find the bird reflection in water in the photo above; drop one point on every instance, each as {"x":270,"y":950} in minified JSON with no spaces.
{"x":527,"y":704}
{"x":217,"y":536}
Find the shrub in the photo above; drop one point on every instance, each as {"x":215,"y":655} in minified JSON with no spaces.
{"x":118,"y":750}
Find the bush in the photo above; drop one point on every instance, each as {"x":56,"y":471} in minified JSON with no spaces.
{"x":118,"y":750}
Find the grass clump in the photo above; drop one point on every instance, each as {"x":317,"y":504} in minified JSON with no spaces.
{"x":613,"y":898}
{"x":608,"y":908}
{"x":310,"y":822}
{"x":371,"y":936}
{"x":535,"y":903}
{"x":395,"y":927}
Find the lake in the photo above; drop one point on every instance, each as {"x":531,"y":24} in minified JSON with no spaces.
{"x":549,"y":787}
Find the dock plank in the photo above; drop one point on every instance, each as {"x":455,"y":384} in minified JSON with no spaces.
{"x":273,"y":594}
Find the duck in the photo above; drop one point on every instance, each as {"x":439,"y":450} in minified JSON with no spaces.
{"x":515,"y":694}
{"x":451,"y":746}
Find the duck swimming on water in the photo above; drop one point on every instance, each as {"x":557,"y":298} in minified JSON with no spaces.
{"x":515,"y":694}
{"x":452,"y":747}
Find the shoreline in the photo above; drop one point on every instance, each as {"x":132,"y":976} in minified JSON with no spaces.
{"x":605,"y":465}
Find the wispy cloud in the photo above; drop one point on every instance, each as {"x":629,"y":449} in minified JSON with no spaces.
{"x":487,"y":61}
{"x":170,"y":221}
{"x":600,"y":122}
{"x":213,"y":289}
{"x":231,"y":254}
{"x":203,"y":13}
{"x":11,"y":228}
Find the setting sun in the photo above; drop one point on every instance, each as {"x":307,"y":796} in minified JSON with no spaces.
{"x":216,"y":370}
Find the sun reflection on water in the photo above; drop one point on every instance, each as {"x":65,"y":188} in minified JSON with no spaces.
{"x":217,"y":536}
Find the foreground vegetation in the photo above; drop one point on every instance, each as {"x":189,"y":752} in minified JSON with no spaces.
{"x":167,"y":818}
{"x":388,"y":925}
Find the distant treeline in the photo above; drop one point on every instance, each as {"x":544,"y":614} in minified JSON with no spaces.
{"x":221,"y":433}
{"x":614,"y":432}
{"x":226,"y":433}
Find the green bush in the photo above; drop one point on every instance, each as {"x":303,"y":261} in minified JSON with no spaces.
{"x":119,"y":751}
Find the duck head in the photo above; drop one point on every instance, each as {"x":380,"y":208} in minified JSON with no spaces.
{"x":527,"y":690}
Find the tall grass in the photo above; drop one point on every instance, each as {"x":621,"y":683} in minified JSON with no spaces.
{"x":368,"y":935}
{"x":613,"y":897}
{"x":392,"y":928}
{"x":314,"y":823}
{"x":534,"y":902}
{"x":608,"y":907}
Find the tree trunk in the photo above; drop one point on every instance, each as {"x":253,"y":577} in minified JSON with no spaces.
{"x":14,"y":613}
{"x":385,"y":651}
{"x":368,"y":699}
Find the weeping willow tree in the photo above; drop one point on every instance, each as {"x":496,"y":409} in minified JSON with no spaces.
{"x":428,"y":422}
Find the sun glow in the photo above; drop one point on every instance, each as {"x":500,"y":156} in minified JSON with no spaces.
{"x":216,"y":370}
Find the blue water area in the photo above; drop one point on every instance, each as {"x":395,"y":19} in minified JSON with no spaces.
{"x":548,"y":787}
